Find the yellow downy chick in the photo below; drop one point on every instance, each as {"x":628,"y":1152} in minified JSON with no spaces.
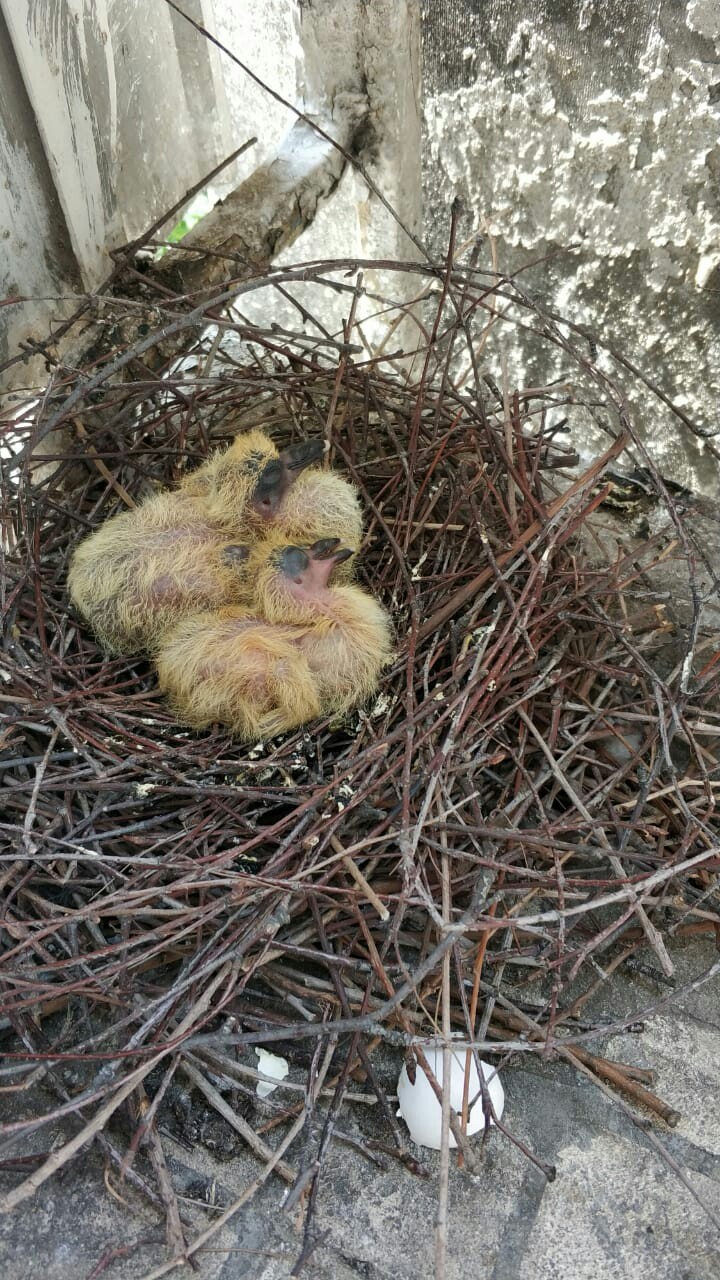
{"x":305,"y":648}
{"x":179,"y":552}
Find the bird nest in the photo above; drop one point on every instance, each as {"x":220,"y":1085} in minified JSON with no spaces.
{"x":526,"y":804}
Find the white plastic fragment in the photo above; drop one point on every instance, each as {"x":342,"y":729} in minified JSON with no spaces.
{"x":421,"y":1110}
{"x":270,"y":1065}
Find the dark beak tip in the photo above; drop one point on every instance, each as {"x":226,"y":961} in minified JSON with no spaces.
{"x":299,"y":456}
{"x":342,"y":555}
{"x":323,"y":548}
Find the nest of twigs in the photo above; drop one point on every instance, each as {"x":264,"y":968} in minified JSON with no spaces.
{"x":528,"y":802}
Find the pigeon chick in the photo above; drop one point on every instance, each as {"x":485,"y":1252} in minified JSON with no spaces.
{"x":305,"y":648}
{"x":181,"y":551}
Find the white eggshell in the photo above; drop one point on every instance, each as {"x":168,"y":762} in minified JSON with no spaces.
{"x":421,"y":1110}
{"x":270,"y":1065}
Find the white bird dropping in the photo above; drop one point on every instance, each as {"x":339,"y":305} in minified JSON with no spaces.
{"x":421,"y":1110}
{"x":270,"y":1065}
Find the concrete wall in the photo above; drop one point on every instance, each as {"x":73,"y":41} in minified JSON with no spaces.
{"x":319,"y":52}
{"x":111,"y":110}
{"x":593,"y":123}
{"x":107,"y":115}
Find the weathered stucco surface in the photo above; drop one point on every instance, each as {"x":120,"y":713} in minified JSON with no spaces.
{"x":595,"y":125}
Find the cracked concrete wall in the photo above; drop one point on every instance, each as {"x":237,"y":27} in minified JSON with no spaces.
{"x":340,"y":48}
{"x":593,"y":123}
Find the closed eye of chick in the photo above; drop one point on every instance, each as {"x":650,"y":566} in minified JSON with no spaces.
{"x":304,"y":649}
{"x":144,"y":569}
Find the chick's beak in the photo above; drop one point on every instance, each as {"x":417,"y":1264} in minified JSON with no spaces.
{"x":323,"y":548}
{"x":279,"y":473}
{"x":299,"y":456}
{"x":311,"y":567}
{"x":329,"y":549}
{"x":325,"y":555}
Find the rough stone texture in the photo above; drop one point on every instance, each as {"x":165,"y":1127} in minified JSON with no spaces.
{"x":632,"y":1224}
{"x":615,"y":1210}
{"x":595,"y":125}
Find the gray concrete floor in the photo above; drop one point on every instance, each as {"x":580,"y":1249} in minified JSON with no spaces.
{"x":615,"y":1210}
